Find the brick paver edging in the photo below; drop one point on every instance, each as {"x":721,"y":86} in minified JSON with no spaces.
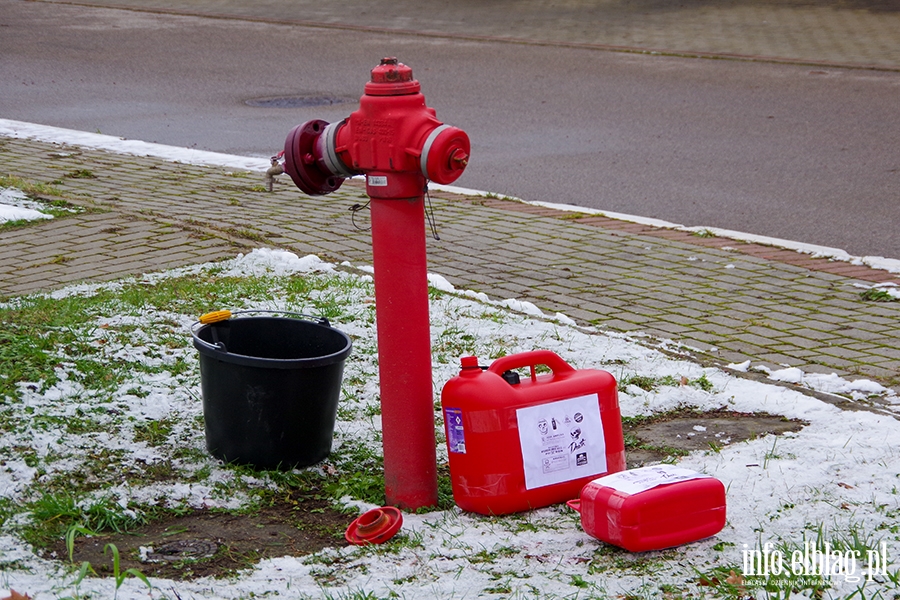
{"x":775,"y":253}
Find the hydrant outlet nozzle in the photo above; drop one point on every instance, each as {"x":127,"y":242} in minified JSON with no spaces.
{"x":445,"y":154}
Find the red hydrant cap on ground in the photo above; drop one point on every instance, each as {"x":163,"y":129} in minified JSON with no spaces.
{"x":392,"y":78}
{"x":375,"y":526}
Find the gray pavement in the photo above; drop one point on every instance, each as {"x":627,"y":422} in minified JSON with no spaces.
{"x":728,"y":301}
{"x":862,"y":33}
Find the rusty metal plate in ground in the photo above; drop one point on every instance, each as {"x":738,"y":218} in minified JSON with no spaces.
{"x":182,"y":550}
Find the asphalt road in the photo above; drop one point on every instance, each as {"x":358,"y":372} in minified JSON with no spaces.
{"x":806,"y":153}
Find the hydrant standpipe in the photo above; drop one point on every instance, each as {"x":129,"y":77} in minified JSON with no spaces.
{"x":396,"y":141}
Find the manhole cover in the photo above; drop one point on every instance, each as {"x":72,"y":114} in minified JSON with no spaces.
{"x":298,"y":101}
{"x":182,"y":550}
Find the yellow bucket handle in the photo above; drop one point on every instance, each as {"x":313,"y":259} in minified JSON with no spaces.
{"x":215,"y":316}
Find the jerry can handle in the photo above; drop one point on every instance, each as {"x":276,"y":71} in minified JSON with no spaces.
{"x":530,"y":359}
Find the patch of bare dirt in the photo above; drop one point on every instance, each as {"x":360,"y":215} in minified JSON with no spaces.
{"x":214,"y":543}
{"x":681,"y":432}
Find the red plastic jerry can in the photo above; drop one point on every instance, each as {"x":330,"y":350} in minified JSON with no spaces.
{"x":516,"y":445}
{"x":651,"y":508}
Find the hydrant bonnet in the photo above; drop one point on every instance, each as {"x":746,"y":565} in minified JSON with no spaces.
{"x":393,"y":138}
{"x":392,"y":78}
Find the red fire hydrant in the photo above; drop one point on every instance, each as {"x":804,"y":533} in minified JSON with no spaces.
{"x":398,"y":144}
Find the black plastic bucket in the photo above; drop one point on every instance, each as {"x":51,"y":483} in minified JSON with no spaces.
{"x":270,"y":388}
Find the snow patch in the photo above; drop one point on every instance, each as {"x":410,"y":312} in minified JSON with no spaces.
{"x":831,"y":383}
{"x":278,"y":263}
{"x":16,"y":206}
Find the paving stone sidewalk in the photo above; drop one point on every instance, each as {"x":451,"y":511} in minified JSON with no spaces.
{"x":729,"y":301}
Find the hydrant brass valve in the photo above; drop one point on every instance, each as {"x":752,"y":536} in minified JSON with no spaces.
{"x":394,"y":139}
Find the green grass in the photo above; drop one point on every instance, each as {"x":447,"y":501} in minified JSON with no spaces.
{"x":52,"y":514}
{"x":29,"y":188}
{"x":33,"y":330}
{"x":25,"y":357}
{"x":650,"y":383}
{"x":359,"y":473}
{"x":878,"y":295}
{"x":7,"y":509}
{"x":81,"y":174}
{"x":453,"y":342}
{"x":154,"y":432}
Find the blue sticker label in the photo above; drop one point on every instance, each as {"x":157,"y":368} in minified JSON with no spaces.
{"x":456,"y":435}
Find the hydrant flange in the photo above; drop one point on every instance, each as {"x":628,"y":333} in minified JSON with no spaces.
{"x":304,"y":163}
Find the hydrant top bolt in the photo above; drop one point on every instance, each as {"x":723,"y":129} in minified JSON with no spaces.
{"x":392,"y":78}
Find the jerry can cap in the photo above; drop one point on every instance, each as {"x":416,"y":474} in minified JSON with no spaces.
{"x":469,"y":362}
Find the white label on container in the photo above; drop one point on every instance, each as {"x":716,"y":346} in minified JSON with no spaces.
{"x":642,"y":479}
{"x":377,"y":180}
{"x":561,"y":441}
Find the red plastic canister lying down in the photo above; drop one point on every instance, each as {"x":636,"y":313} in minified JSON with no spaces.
{"x":651,"y":508}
